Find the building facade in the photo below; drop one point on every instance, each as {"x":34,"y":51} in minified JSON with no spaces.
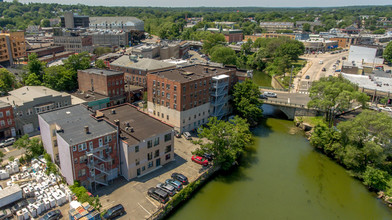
{"x":7,"y":122}
{"x":12,"y":47}
{"x":71,"y":20}
{"x":105,"y":82}
{"x":75,"y":41}
{"x":117,"y":23}
{"x":274,"y":26}
{"x":186,"y":97}
{"x":85,"y":149}
{"x":111,"y":38}
{"x":29,"y":101}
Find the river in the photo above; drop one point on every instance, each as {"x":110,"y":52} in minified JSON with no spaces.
{"x":283,"y":178}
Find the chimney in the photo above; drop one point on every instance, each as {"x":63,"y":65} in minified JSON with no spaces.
{"x":131,"y":129}
{"x":206,"y":69}
{"x":86,"y":130}
{"x":127,"y":124}
{"x":113,"y":111}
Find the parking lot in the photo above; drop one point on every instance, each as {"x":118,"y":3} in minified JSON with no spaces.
{"x":133,"y":194}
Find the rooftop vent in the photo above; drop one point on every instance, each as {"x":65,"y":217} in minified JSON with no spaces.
{"x":86,"y":130}
{"x":131,"y":129}
{"x":113,"y":111}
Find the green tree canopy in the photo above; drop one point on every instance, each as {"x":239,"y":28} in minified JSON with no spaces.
{"x":100,"y":64}
{"x":60,"y":78}
{"x":225,"y":55}
{"x":77,"y":62}
{"x":388,"y":52}
{"x":35,"y":66}
{"x":375,"y":178}
{"x":7,"y":80}
{"x":211,"y":41}
{"x":226,"y":140}
{"x":99,"y":51}
{"x":246,"y":101}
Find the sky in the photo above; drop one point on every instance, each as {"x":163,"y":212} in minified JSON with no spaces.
{"x":218,"y":3}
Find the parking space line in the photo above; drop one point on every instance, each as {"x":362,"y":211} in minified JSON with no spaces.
{"x":151,"y":202}
{"x":6,"y":149}
{"x":144,"y":209}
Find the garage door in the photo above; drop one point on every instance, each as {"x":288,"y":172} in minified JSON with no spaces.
{"x":28,"y":128}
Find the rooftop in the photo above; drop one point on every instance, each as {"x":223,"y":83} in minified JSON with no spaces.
{"x":72,"y":121}
{"x":145,"y":64}
{"x":102,"y":72}
{"x":4,"y":104}
{"x":88,"y":96}
{"x":97,"y":20}
{"x":190,"y":73}
{"x":28,"y":94}
{"x":143,"y":125}
{"x":381,"y":84}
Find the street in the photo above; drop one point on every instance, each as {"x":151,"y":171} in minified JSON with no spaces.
{"x":293,"y":98}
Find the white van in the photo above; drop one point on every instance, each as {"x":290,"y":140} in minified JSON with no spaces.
{"x":321,"y":62}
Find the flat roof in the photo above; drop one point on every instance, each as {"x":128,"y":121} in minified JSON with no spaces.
{"x":4,"y":104}
{"x":145,"y":64}
{"x":366,"y":82}
{"x":190,"y":73}
{"x":144,"y":126}
{"x":88,"y":96}
{"x":73,"y":119}
{"x":101,"y":72}
{"x":29,"y":93}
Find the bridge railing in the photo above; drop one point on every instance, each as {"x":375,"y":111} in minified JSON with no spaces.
{"x":271,"y":88}
{"x":267,"y":101}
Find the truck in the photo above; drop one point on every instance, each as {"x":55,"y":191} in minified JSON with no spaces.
{"x":10,"y":194}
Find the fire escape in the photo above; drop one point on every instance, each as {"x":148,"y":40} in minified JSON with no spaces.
{"x":100,"y":165}
{"x":219,"y":95}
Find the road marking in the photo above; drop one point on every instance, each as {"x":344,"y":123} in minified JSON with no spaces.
{"x":6,"y":149}
{"x":144,"y":209}
{"x":151,"y":202}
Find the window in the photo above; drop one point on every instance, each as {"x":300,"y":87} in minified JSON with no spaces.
{"x":167,"y":156}
{"x":8,"y":113}
{"x":156,"y":154}
{"x":100,"y":142}
{"x":9,"y":121}
{"x":82,"y":172}
{"x":149,"y":156}
{"x":76,"y":160}
{"x":108,"y":139}
{"x":74,"y":148}
{"x":150,"y":164}
{"x":156,"y":141}
{"x":175,"y":88}
{"x":195,"y":85}
{"x":183,"y":121}
{"x":175,"y":106}
{"x":163,"y":85}
{"x":1,"y":114}
{"x":137,"y":162}
{"x":83,"y":159}
{"x":55,"y":143}
{"x":168,"y":95}
{"x":167,"y":117}
{"x":149,"y":144}
{"x":136,"y":149}
{"x":184,"y":88}
{"x":163,"y":94}
{"x":30,"y":110}
{"x":167,"y":137}
{"x":168,"y":149}
{"x":167,"y":86}
{"x":163,"y":115}
{"x":143,"y":168}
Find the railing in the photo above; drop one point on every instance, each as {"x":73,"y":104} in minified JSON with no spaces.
{"x":95,"y":150}
{"x":271,"y":88}
{"x":267,"y":101}
{"x":220,"y":84}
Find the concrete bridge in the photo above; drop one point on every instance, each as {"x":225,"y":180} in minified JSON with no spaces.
{"x":291,"y":104}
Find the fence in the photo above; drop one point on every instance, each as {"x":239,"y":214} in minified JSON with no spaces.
{"x":271,"y":88}
{"x":285,"y":103}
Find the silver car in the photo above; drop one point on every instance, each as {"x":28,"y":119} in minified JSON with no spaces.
{"x":8,"y":142}
{"x":167,"y":188}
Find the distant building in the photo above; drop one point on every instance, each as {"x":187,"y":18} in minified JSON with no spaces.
{"x":299,"y":24}
{"x":71,"y":20}
{"x":231,"y":35}
{"x":318,"y":44}
{"x":268,"y":35}
{"x":7,"y":121}
{"x":12,"y":48}
{"x":186,"y":97}
{"x":162,"y":51}
{"x":274,"y":26}
{"x":111,"y":38}
{"x":29,"y":101}
{"x":351,"y":30}
{"x":135,"y":69}
{"x":73,"y":40}
{"x":44,"y":51}
{"x":105,"y":82}
{"x":117,"y":23}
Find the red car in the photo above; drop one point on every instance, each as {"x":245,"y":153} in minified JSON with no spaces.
{"x":200,"y":160}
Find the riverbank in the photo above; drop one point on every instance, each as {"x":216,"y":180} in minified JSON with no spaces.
{"x":370,"y":178}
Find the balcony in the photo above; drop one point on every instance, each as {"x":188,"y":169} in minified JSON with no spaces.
{"x":97,"y":149}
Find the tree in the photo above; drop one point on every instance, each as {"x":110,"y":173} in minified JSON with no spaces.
{"x":33,"y":147}
{"x":7,"y":80}
{"x":375,"y":178}
{"x":60,"y":78}
{"x":2,"y":155}
{"x":246,"y":101}
{"x":225,"y":55}
{"x":379,"y":31}
{"x":99,"y":51}
{"x":32,"y":80}
{"x":292,"y":49}
{"x":306,"y":27}
{"x":334,"y":95}
{"x":35,"y":66}
{"x":226,"y":140}
{"x":45,"y":23}
{"x":78,"y":61}
{"x":388,"y":52}
{"x":211,"y":41}
{"x":100,"y":64}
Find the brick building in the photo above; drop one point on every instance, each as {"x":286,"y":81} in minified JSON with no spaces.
{"x":12,"y":47}
{"x":105,"y":82}
{"x":46,"y":51}
{"x":186,"y":97}
{"x":145,"y":144}
{"x":135,"y":69}
{"x":85,"y":148}
{"x":7,"y":122}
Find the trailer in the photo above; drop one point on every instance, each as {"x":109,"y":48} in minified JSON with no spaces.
{"x":10,"y":194}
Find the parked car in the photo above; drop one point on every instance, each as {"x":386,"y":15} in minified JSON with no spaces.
{"x":5,"y":214}
{"x":270,"y":94}
{"x":187,"y":135}
{"x":113,"y":212}
{"x":177,"y":134}
{"x":167,"y":188}
{"x":18,"y":206}
{"x":208,"y":156}
{"x":388,"y":109}
{"x":321,"y":62}
{"x":177,"y":185}
{"x":307,"y":77}
{"x":262,"y":96}
{"x":344,"y":58}
{"x":52,"y":215}
{"x":158,"y":194}
{"x":323,"y":69}
{"x":180,"y":177}
{"x":7,"y":142}
{"x":200,"y":160}
{"x":339,"y":70}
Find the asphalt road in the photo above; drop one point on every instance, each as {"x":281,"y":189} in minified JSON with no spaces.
{"x":293,"y":98}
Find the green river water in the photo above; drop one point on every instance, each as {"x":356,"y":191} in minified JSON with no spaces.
{"x":284,"y":178}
